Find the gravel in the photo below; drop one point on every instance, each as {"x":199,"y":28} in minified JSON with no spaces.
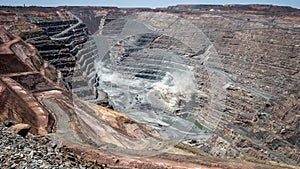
{"x":17,"y":152}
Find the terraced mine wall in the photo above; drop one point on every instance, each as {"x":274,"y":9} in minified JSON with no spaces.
{"x":29,"y":96}
{"x":59,"y":42}
{"x":64,"y":46}
{"x":239,"y":65}
{"x":255,"y":57}
{"x":58,"y":35}
{"x":259,"y":60}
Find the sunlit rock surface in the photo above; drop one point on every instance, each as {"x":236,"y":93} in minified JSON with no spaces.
{"x":242,"y":62}
{"x":221,"y":79}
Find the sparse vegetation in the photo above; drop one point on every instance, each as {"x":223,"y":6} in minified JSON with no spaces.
{"x":197,"y":123}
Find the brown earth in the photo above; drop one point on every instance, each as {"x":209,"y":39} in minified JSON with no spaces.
{"x":258,"y":47}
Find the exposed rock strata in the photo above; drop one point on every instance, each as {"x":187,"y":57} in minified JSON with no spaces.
{"x":59,"y":41}
{"x":251,"y":60}
{"x":258,"y":60}
{"x":46,"y":107}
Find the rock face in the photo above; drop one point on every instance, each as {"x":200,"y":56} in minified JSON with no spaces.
{"x":21,"y":129}
{"x":49,"y":108}
{"x":245,"y":71}
{"x":148,"y":74}
{"x":263,"y":72}
{"x":222,"y":79}
{"x":18,"y":103}
{"x":58,"y":42}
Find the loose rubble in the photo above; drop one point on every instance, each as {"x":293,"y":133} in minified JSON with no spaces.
{"x":36,"y":152}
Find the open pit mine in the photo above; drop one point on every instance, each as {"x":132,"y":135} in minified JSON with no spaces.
{"x":186,"y":86}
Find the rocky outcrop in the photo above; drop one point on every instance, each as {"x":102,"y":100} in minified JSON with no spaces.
{"x":18,"y":103}
{"x":21,"y":129}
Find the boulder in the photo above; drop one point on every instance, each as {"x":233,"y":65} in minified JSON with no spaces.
{"x":21,"y":129}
